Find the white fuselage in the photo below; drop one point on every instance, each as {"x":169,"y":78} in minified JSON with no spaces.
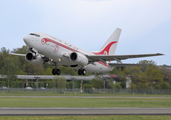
{"x":57,"y":50}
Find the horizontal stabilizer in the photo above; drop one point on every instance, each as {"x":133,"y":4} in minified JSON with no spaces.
{"x":122,"y":64}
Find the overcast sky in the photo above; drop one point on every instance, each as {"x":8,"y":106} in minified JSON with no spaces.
{"x":145,"y":24}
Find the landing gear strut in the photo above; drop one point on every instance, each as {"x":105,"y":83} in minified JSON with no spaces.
{"x":82,"y":72}
{"x":31,"y":49}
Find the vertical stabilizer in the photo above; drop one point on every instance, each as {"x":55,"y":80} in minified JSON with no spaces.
{"x":110,"y":46}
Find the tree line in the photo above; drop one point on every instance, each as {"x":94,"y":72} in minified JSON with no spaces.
{"x":146,"y":76}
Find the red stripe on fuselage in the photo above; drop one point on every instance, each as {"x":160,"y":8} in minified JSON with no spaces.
{"x":45,"y":40}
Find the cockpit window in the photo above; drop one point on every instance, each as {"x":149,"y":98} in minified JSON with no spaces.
{"x":35,"y":34}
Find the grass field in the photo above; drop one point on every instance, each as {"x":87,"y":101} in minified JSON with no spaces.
{"x":84,"y":102}
{"x":72,"y":93}
{"x":114,"y":117}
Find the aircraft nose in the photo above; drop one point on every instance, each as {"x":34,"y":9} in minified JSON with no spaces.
{"x":27,"y":40}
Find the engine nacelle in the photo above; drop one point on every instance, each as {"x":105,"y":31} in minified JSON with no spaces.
{"x":32,"y":58}
{"x":79,"y":58}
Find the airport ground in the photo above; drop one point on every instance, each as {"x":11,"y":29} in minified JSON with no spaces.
{"x":82,"y":117}
{"x":72,"y":100}
{"x":91,"y":102}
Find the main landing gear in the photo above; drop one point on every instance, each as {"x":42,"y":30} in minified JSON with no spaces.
{"x":82,"y":72}
{"x":122,"y":68}
{"x":56,"y":71}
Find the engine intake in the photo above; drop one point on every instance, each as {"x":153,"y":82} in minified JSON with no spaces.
{"x":79,"y":58}
{"x":73,"y":56}
{"x":32,"y":58}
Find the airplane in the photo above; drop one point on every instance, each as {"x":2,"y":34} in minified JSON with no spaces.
{"x":45,"y":48}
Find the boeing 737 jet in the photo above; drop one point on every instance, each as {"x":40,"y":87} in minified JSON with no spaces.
{"x":44,"y":48}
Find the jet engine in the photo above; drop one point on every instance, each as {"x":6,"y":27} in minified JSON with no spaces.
{"x":32,"y":58}
{"x":79,"y":58}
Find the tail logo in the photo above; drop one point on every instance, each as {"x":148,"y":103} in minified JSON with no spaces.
{"x":105,"y":51}
{"x":43,"y":41}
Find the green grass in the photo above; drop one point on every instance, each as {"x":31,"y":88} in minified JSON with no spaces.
{"x":84,"y":102}
{"x":72,"y":93}
{"x":112,"y":117}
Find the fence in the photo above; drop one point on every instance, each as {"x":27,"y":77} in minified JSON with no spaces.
{"x":84,"y":91}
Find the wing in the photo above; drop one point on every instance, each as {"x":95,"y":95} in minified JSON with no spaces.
{"x":103,"y":58}
{"x":46,"y":59}
{"x":17,"y":54}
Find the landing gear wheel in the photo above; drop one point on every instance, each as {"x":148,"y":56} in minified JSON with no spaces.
{"x":58,"y":72}
{"x":122,"y":68}
{"x":79,"y":72}
{"x":83,"y":72}
{"x":53,"y":72}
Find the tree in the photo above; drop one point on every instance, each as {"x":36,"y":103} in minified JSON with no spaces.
{"x":110,"y":84}
{"x":1,"y":61}
{"x":123,"y":84}
{"x":66,"y":70}
{"x":9,"y":71}
{"x":59,"y":82}
{"x":139,"y":78}
{"x":22,"y":50}
{"x":154,"y":75}
{"x":117,"y":86}
{"x":145,"y":64}
{"x":165,"y":85}
{"x":31,"y":68}
{"x":48,"y":71}
{"x":4,"y":51}
{"x":166,"y":73}
{"x":87,"y":86}
{"x":97,"y":82}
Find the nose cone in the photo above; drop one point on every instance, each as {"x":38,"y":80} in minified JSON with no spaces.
{"x":27,"y":40}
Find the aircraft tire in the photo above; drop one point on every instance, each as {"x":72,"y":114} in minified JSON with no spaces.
{"x":58,"y":72}
{"x":83,"y":72}
{"x":53,"y":72}
{"x":122,"y":68}
{"x":79,"y":72}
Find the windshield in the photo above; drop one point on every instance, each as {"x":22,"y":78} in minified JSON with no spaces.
{"x":35,"y":34}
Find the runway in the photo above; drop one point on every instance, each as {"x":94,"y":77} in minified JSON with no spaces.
{"x":83,"y":111}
